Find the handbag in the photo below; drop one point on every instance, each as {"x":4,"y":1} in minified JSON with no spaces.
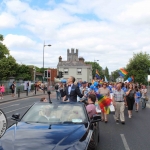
{"x":146,"y":98}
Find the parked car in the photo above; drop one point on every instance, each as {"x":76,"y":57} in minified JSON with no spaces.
{"x":56,"y":126}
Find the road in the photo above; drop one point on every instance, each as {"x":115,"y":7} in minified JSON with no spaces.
{"x":134,"y":135}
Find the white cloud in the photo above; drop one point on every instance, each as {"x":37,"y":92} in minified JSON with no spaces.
{"x":121,"y":28}
{"x":7,"y":20}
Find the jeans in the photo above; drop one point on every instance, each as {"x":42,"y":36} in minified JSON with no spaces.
{"x":58,"y":95}
{"x":143,"y":102}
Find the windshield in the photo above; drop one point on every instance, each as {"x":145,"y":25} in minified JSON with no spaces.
{"x":55,"y":113}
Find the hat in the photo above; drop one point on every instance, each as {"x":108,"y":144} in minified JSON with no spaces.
{"x":84,"y":82}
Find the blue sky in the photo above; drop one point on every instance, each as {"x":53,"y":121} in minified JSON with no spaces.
{"x":110,"y":31}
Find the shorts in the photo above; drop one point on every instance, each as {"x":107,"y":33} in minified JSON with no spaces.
{"x":12,"y":91}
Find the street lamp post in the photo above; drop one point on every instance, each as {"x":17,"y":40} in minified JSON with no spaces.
{"x":34,"y":70}
{"x":43,"y":57}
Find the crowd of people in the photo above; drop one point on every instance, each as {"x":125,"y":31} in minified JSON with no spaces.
{"x":122,"y":95}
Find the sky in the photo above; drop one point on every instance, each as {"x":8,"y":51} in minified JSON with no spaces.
{"x":106,"y":30}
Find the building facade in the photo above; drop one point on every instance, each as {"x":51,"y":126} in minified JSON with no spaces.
{"x":75,"y":66}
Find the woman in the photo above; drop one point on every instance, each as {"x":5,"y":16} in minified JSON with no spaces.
{"x":105,"y":92}
{"x":2,"y":90}
{"x":91,"y":109}
{"x":130,"y":98}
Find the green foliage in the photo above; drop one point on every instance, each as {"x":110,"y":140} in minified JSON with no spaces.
{"x":95,"y":66}
{"x":138,"y":67}
{"x":115,"y":75}
{"x":4,"y":52}
{"x":8,"y":67}
{"x":107,"y":73}
{"x":24,"y":72}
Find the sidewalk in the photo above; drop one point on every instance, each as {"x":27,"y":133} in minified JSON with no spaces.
{"x":8,"y":98}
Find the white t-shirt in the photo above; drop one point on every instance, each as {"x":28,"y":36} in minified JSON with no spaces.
{"x":144,"y":93}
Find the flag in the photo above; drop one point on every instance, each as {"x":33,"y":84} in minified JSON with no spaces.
{"x":104,"y":102}
{"x":124,"y":72}
{"x":106,"y":79}
{"x":97,"y":75}
{"x":121,"y":74}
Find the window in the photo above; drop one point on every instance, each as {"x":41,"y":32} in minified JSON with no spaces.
{"x":65,"y":71}
{"x":79,"y":71}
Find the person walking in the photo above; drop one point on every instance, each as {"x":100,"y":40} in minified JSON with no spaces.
{"x":105,"y":92}
{"x":72,"y":91}
{"x":144,"y":95}
{"x":130,"y":98}
{"x":3,"y":89}
{"x":119,"y":103}
{"x":13,"y":89}
{"x":0,"y":91}
{"x":137,"y":99}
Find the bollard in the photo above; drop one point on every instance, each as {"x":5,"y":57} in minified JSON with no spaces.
{"x":35,"y":90}
{"x":49,"y":93}
{"x":18,"y":93}
{"x":27,"y":92}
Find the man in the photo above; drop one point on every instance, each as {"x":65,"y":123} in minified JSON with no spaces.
{"x":144,"y":95}
{"x":58,"y":96}
{"x":84,"y":90}
{"x":119,"y":103}
{"x":72,"y":91}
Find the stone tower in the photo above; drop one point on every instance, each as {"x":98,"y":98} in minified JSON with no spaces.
{"x":72,"y":56}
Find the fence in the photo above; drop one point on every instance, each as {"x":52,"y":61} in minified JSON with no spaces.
{"x":19,"y":85}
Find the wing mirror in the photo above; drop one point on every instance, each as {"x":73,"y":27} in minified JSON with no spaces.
{"x":16,"y":117}
{"x":96,"y":118}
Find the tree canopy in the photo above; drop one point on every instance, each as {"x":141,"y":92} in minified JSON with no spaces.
{"x":139,"y":67}
{"x":95,"y":66}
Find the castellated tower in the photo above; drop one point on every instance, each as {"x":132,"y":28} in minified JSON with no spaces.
{"x":72,"y":56}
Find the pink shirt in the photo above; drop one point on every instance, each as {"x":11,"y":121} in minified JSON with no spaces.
{"x":91,"y":109}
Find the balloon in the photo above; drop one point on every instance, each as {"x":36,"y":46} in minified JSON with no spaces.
{"x":95,"y":83}
{"x":129,"y":79}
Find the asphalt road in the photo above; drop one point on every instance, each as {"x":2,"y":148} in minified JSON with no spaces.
{"x":134,"y":135}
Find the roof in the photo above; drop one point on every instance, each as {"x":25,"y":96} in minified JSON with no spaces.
{"x":72,"y":63}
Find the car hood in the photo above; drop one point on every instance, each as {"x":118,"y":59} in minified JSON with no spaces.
{"x":28,"y":136}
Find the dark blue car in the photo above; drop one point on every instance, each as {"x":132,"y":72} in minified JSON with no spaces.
{"x":59,"y":126}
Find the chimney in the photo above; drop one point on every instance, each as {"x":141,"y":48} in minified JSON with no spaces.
{"x":81,"y":59}
{"x":60,"y":58}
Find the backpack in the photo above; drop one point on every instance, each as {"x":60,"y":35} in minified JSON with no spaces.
{"x":56,"y":87}
{"x":10,"y":86}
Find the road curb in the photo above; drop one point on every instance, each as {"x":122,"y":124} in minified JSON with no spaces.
{"x":20,"y":98}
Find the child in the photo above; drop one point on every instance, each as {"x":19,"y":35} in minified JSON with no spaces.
{"x":137,"y":99}
{"x":91,"y":109}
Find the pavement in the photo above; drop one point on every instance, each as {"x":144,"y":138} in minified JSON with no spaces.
{"x":7,"y":98}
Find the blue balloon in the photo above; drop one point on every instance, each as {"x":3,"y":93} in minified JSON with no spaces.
{"x":95,"y":83}
{"x":129,"y":79}
{"x":92,"y":87}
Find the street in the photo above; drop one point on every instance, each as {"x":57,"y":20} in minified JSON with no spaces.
{"x":134,"y":135}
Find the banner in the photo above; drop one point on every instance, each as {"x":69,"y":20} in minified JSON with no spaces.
{"x":148,"y":77}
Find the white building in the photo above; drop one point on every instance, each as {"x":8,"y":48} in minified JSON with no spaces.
{"x":75,"y":66}
{"x":120,"y":79}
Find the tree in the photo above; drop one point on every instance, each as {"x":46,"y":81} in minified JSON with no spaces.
{"x":8,"y":67}
{"x":4,"y":52}
{"x":107,"y":73}
{"x":138,"y":67}
{"x":95,"y":66}
{"x":115,"y":75}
